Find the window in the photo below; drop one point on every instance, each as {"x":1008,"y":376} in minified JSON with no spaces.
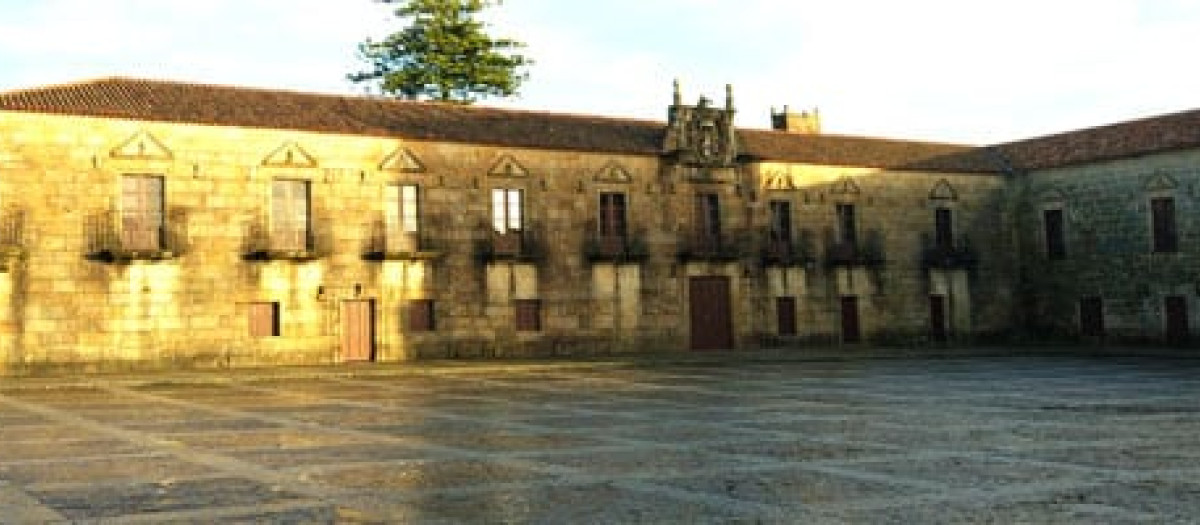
{"x":1056,"y":241}
{"x":401,"y":215}
{"x":1162,"y":218}
{"x":780,"y":228}
{"x":1176,"y":323}
{"x":1091,"y":317}
{"x":847,"y":228}
{"x":290,"y":215}
{"x":264,"y":319}
{"x":612,"y":216}
{"x":529,"y":315}
{"x":506,"y":210}
{"x":708,"y":219}
{"x":141,"y":212}
{"x":785,"y":315}
{"x":943,"y":228}
{"x":420,"y":315}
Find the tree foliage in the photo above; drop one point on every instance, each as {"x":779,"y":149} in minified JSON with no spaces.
{"x":443,"y":54}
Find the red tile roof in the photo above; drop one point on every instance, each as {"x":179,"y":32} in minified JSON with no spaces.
{"x":181,"y":102}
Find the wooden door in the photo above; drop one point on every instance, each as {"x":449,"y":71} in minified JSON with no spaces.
{"x":358,"y":330}
{"x":937,"y":318}
{"x":851,"y":332}
{"x":711,"y":313}
{"x":1175,"y":309}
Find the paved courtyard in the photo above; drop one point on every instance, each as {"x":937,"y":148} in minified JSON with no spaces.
{"x":992,"y":440}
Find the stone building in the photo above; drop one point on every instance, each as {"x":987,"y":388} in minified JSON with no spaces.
{"x":149,"y":223}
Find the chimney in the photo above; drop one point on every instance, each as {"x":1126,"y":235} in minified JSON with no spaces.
{"x":804,"y":123}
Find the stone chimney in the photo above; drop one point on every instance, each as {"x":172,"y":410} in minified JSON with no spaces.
{"x":804,"y":123}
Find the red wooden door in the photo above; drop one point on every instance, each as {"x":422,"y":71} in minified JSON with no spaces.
{"x":358,"y":330}
{"x":1175,"y":308}
{"x":850,"y":327}
{"x":937,"y":317}
{"x":711,"y":313}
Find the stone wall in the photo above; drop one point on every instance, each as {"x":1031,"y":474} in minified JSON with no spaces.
{"x":70,"y":303}
{"x":1109,"y":251}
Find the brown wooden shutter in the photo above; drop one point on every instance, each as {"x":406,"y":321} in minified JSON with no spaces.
{"x":943,"y":228}
{"x":528,"y":314}
{"x":1056,"y":243}
{"x":785,"y":312}
{"x":420,"y":315}
{"x":141,"y":212}
{"x":290,"y":215}
{"x":1162,"y":211}
{"x":264,"y":319}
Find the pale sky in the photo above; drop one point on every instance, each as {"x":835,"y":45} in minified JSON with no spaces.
{"x":971,"y":71}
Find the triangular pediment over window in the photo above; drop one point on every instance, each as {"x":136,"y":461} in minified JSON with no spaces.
{"x":845,"y":186}
{"x":614,"y":172}
{"x":402,"y":160}
{"x":943,"y":191}
{"x":142,"y":146}
{"x":508,"y":166}
{"x":290,"y":155}
{"x":1161,"y":182}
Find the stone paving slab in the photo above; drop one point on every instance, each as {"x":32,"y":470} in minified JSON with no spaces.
{"x":1032,"y":439}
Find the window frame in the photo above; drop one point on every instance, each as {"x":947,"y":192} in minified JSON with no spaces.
{"x":145,"y":208}
{"x":1054,"y":233}
{"x":1164,"y":227}
{"x":291,"y":214}
{"x":508,"y":210}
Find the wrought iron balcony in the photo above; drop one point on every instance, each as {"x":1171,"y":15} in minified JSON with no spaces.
{"x":715,"y":248}
{"x":958,"y":255}
{"x":302,"y":242}
{"x":384,"y":245}
{"x":613,"y":248}
{"x":114,"y":237}
{"x":509,"y":245}
{"x":866,"y":252}
{"x":787,"y":251}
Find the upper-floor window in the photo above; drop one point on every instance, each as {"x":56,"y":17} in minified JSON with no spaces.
{"x":612,"y":220}
{"x":1054,"y":233}
{"x":780,"y":228}
{"x":401,"y":217}
{"x":142,"y":212}
{"x":847,"y":226}
{"x":1162,"y":221}
{"x":507,"y":209}
{"x":708,"y":217}
{"x":290,"y":214}
{"x":943,"y":228}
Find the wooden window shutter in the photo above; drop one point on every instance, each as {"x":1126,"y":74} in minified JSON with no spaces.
{"x":1162,"y":211}
{"x":290,"y":215}
{"x":264,"y":319}
{"x":528,"y":315}
{"x":141,"y":212}
{"x":420,"y":315}
{"x":785,"y":311}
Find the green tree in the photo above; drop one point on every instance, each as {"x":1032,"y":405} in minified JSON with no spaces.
{"x":443,"y":54}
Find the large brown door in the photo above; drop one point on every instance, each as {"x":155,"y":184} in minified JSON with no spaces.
{"x":358,"y":330}
{"x":712,"y":321}
{"x":1175,"y":308}
{"x":850,"y":327}
{"x":937,"y":317}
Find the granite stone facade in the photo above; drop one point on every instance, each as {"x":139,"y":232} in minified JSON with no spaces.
{"x":161,"y":225}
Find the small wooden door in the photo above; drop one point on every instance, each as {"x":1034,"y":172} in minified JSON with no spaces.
{"x":937,"y":318}
{"x":1091,"y":317}
{"x":851,"y":332}
{"x":1175,"y":310}
{"x":711,"y":314}
{"x":358,"y":330}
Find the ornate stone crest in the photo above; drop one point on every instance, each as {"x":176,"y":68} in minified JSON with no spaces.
{"x":701,"y":135}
